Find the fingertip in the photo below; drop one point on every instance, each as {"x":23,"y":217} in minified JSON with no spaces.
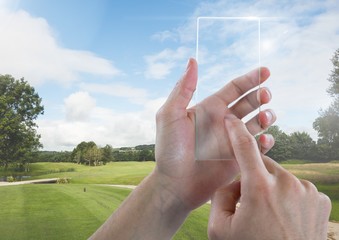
{"x":266,"y":141}
{"x":267,"y":118}
{"x":265,"y":95}
{"x":264,"y":73}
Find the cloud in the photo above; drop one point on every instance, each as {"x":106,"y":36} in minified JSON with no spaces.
{"x":133,"y":94}
{"x":78,"y":106}
{"x":298,"y":38}
{"x":160,"y":65}
{"x":29,"y":49}
{"x":165,"y":36}
{"x":90,"y":122}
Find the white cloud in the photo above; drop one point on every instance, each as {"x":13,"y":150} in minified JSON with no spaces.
{"x":102,"y":125}
{"x":133,"y":94}
{"x":297,"y":43}
{"x":29,"y":49}
{"x":164,"y":36}
{"x":78,"y":106}
{"x":160,"y":65}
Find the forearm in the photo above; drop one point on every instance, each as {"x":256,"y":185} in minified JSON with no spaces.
{"x":151,"y":211}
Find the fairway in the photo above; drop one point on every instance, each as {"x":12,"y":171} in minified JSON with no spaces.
{"x":112,"y":173}
{"x":56,"y":211}
{"x":76,"y":210}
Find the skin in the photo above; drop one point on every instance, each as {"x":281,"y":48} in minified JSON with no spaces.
{"x":179,"y":183}
{"x":274,"y":204}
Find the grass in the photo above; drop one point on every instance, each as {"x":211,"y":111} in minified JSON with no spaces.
{"x":333,"y":192}
{"x":67,"y":212}
{"x":318,"y":173}
{"x":55,"y":211}
{"x":111,"y":173}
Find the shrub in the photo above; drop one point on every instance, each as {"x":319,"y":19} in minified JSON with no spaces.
{"x":10,"y":179}
{"x":63,"y":180}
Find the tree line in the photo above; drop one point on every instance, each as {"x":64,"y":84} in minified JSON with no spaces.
{"x":89,"y":153}
{"x":20,"y":105}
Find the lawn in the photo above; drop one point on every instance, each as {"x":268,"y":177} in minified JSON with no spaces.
{"x":112,"y":173}
{"x":65,"y":211}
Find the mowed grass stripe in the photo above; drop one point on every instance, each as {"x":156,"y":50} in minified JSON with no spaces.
{"x":56,"y":211}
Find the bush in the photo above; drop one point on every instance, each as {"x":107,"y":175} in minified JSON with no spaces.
{"x":63,"y":180}
{"x":10,"y":179}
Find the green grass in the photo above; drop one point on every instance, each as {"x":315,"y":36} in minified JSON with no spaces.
{"x":55,"y":211}
{"x":318,"y":173}
{"x":67,"y":212}
{"x":333,"y":192}
{"x":294,"y":161}
{"x":112,"y":173}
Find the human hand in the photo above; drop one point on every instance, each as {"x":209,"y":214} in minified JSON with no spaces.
{"x":274,"y":204}
{"x":193,"y":182}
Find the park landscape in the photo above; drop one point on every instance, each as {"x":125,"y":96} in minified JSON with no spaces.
{"x":75,"y":208}
{"x":51,"y":188}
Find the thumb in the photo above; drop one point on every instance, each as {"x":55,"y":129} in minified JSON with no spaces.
{"x":223,"y":207}
{"x":182,"y":94}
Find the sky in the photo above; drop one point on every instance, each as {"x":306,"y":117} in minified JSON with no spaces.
{"x":103,"y":68}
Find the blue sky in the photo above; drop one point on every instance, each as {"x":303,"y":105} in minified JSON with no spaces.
{"x":103,"y":68}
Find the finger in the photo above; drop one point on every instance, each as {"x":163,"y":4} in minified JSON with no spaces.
{"x":225,"y":199}
{"x":266,"y":142}
{"x":223,"y":207}
{"x":239,"y":86}
{"x":182,"y":94}
{"x":250,"y":102}
{"x":245,"y":149}
{"x":272,"y":166}
{"x":261,"y":122}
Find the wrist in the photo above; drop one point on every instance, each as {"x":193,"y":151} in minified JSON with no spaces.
{"x":166,"y":202}
{"x":165,"y":196}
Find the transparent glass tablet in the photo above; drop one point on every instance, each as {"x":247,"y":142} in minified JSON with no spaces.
{"x":226,"y":49}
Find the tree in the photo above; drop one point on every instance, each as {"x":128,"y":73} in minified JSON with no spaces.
{"x":333,"y":90}
{"x":107,"y":154}
{"x":282,"y":149}
{"x":20,"y":106}
{"x":79,"y":151}
{"x":93,"y":155}
{"x":327,"y":124}
{"x":302,"y":146}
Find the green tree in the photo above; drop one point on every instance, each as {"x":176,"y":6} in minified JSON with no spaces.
{"x":20,"y":106}
{"x":79,"y":151}
{"x":107,"y":154}
{"x":333,"y":89}
{"x":282,"y":149}
{"x":93,"y":155}
{"x":327,"y":124}
{"x":302,"y":146}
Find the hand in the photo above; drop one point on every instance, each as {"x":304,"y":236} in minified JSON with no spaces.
{"x":274,"y":204}
{"x":193,"y":182}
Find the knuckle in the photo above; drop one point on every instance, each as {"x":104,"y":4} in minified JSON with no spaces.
{"x":245,"y":141}
{"x":325,"y":201}
{"x":310,"y":187}
{"x":290,"y":182}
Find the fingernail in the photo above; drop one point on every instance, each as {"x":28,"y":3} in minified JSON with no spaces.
{"x":264,"y":95}
{"x":188,"y":64}
{"x":269,"y":116}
